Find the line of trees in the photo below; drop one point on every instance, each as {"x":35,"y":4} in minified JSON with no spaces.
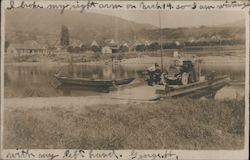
{"x":95,"y":49}
{"x":173,"y":45}
{"x":216,"y":42}
{"x":83,"y":48}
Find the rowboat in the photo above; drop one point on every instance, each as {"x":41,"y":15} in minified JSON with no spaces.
{"x":92,"y":83}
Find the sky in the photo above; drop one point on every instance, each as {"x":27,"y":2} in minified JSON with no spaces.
{"x":174,"y":19}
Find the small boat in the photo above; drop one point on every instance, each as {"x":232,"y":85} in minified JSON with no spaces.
{"x":90,"y":83}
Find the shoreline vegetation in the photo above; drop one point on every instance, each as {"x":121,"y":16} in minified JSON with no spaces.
{"x":55,"y":58}
{"x":174,"y":124}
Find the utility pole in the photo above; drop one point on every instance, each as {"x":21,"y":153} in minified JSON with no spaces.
{"x":160,"y":40}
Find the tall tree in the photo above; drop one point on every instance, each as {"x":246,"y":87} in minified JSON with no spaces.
{"x":64,"y":36}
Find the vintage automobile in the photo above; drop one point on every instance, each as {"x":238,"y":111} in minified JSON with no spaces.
{"x":182,"y":74}
{"x":176,"y":74}
{"x":186,"y":80}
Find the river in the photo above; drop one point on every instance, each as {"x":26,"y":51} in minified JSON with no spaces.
{"x":37,"y":80}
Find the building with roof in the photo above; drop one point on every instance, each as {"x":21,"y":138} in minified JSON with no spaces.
{"x":124,"y":47}
{"x":94,"y":43}
{"x":28,"y":47}
{"x":106,"y":50}
{"x":75,"y":42}
{"x":112,"y":45}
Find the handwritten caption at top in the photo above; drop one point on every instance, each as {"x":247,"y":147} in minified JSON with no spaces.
{"x":144,"y":5}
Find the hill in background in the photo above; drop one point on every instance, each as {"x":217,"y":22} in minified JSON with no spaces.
{"x":45,"y":26}
{"x":84,"y":26}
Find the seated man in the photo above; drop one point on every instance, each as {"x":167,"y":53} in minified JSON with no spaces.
{"x":157,"y":73}
{"x":154,"y":74}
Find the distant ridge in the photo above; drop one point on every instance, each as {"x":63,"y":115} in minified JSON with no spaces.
{"x":238,"y":23}
{"x":85,"y":26}
{"x":45,"y":26}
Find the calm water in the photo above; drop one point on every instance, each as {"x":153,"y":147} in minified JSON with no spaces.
{"x":37,"y":81}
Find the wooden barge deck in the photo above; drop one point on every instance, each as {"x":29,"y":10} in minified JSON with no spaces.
{"x":207,"y":88}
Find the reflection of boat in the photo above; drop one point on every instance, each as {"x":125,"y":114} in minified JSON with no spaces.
{"x":207,"y":88}
{"x":89,"y":83}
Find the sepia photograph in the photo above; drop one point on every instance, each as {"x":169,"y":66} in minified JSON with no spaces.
{"x":124,"y":79}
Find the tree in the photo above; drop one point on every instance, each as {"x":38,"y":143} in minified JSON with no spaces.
{"x":64,"y":36}
{"x":140,"y":47}
{"x":171,"y":45}
{"x":154,"y":46}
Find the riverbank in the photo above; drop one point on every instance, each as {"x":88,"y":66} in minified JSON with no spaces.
{"x":172,"y":124}
{"x":144,"y":60}
{"x":222,"y":53}
{"x":123,"y":96}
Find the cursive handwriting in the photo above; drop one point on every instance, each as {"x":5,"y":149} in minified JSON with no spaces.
{"x":20,"y":154}
{"x":157,"y":5}
{"x":75,"y":154}
{"x":234,"y":4}
{"x":168,"y":155}
{"x":92,"y":154}
{"x":144,"y":5}
{"x":23,"y":4}
{"x":49,"y":156}
{"x":82,"y":6}
{"x":61,"y":7}
{"x":104,"y":154}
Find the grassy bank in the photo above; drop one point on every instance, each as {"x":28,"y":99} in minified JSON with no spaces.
{"x":172,"y":124}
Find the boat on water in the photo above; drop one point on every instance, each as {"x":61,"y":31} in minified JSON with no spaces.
{"x":186,"y":80}
{"x":92,"y":83}
{"x":204,"y":88}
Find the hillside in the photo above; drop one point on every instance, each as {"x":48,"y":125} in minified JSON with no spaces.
{"x":238,"y":23}
{"x":44,"y":26}
{"x":202,"y":32}
{"x":84,"y":26}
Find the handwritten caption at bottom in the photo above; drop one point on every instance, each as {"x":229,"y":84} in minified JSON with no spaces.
{"x":79,"y":154}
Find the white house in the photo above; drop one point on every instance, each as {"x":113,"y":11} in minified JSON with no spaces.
{"x":28,"y":47}
{"x":106,"y":50}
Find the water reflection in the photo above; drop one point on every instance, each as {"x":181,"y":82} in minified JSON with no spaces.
{"x":36,"y":81}
{"x":104,"y":72}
